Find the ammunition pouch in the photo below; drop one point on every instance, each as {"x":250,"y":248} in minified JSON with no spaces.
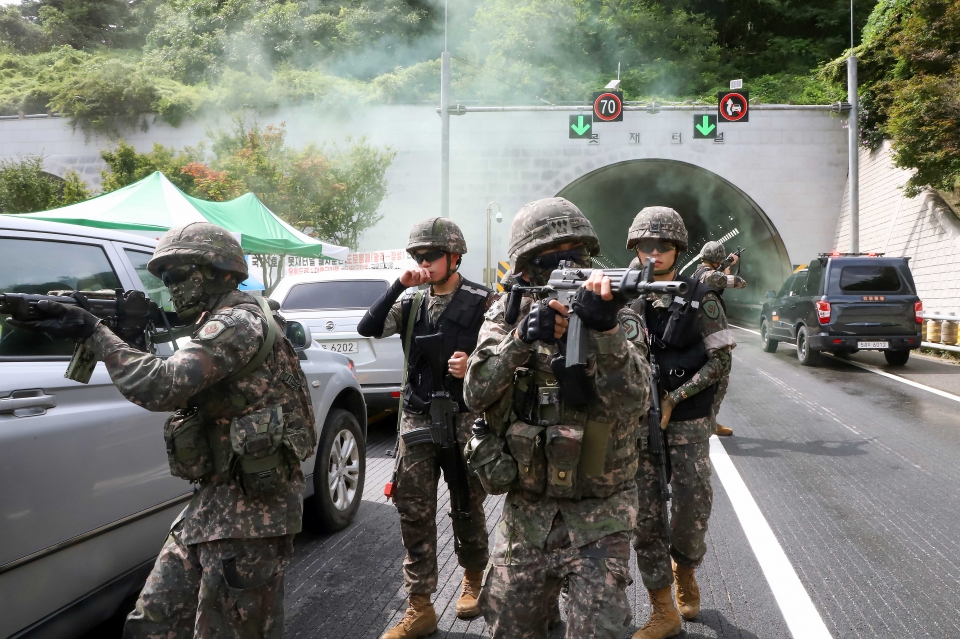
{"x":486,"y":459}
{"x":563,"y":446}
{"x":188,"y":450}
{"x":526,"y":443}
{"x":257,"y":440}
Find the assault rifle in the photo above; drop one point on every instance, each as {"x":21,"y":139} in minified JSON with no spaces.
{"x":442,"y":430}
{"x":570,"y":366}
{"x":728,"y":261}
{"x":130,"y":314}
{"x":656,"y":437}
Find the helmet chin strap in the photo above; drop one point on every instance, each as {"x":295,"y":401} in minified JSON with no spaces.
{"x":450,"y":271}
{"x":671,"y":268}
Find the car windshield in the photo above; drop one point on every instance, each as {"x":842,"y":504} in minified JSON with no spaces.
{"x":334,"y":295}
{"x":869,"y":279}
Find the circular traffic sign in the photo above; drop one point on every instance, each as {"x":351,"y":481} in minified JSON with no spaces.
{"x":607,"y":107}
{"x":733,"y":107}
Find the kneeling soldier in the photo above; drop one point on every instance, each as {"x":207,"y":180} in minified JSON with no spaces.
{"x":454,"y":308}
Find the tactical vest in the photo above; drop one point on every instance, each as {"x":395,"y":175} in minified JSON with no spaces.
{"x":562,"y":452}
{"x":676,"y":343}
{"x":460,"y":324}
{"x":253,"y":424}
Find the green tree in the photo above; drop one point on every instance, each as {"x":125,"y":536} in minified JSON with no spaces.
{"x":80,"y":23}
{"x":126,"y":166}
{"x":25,"y":187}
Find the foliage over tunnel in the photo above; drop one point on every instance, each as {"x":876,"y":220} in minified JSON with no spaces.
{"x":711,"y":208}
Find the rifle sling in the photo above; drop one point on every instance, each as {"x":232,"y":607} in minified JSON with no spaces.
{"x":265,"y":349}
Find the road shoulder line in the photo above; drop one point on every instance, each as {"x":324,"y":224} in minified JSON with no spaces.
{"x":874,"y":369}
{"x":800,"y":614}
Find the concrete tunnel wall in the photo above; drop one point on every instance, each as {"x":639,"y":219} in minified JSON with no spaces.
{"x":790,"y":164}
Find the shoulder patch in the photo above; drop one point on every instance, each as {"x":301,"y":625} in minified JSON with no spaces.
{"x":712,"y":309}
{"x":631,"y":328}
{"x":211,"y":329}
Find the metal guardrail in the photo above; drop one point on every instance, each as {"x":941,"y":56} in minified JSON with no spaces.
{"x":940,"y":316}
{"x":936,"y":345}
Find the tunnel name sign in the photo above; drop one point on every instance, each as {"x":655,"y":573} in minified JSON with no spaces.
{"x":608,"y":106}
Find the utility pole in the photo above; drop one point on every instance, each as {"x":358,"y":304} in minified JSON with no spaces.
{"x":488,"y":277}
{"x":854,"y":144}
{"x":445,"y":122}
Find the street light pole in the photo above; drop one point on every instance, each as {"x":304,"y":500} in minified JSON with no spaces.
{"x":853,"y":122}
{"x":445,"y":123}
{"x":488,"y":274}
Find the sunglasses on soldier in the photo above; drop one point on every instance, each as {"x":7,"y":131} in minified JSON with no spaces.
{"x":177,"y":274}
{"x":651,"y":245}
{"x":579,"y":255}
{"x":427,"y":256}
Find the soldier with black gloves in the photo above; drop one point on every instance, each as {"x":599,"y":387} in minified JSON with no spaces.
{"x":454,"y":307}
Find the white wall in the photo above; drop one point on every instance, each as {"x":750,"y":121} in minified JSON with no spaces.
{"x":923,"y":227}
{"x":792,"y":163}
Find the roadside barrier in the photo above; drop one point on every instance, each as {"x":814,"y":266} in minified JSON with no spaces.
{"x":940,"y":331}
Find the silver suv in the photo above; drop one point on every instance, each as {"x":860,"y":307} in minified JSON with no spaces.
{"x":87,"y":497}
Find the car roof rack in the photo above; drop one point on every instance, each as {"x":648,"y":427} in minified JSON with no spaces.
{"x":837,"y":254}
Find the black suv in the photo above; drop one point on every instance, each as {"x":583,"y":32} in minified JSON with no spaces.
{"x":843,"y":303}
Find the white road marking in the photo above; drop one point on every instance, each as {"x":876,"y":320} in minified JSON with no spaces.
{"x":798,"y":610}
{"x":874,"y":369}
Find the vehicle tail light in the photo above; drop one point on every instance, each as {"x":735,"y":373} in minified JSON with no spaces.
{"x":395,"y":394}
{"x":388,"y":490}
{"x":838,"y":341}
{"x":352,"y":367}
{"x":918,"y":312}
{"x":871,"y":254}
{"x":823,"y":311}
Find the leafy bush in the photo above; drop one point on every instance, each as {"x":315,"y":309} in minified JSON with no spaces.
{"x":25,"y":187}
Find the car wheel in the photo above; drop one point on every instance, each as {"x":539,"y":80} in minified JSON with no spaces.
{"x":339,"y":472}
{"x":896,"y":358}
{"x":806,"y":355}
{"x":769,"y":345}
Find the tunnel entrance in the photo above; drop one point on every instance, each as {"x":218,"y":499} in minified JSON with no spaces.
{"x":711,"y":208}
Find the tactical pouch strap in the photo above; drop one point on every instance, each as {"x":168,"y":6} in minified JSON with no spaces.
{"x":265,"y":349}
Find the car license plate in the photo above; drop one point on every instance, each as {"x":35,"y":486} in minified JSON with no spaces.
{"x":873,"y":344}
{"x":347,"y":348}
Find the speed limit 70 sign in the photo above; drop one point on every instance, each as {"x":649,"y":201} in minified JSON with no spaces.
{"x":608,"y":106}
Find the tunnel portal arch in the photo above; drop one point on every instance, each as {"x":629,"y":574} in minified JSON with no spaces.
{"x":710,"y":206}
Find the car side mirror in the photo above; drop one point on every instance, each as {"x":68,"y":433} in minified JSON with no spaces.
{"x":299,"y":335}
{"x":771,"y":294}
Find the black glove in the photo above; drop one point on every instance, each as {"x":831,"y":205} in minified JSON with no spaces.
{"x":539,"y":324}
{"x":61,"y":321}
{"x":594,"y":311}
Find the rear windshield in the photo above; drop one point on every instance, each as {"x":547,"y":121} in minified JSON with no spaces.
{"x":333,"y":295}
{"x":870,"y":279}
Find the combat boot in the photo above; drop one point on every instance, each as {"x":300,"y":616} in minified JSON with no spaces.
{"x":723,"y":431}
{"x":664,"y":620}
{"x":467,"y":607}
{"x":419,"y":620}
{"x":688,"y":592}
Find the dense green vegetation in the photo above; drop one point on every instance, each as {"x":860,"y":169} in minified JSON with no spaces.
{"x":25,"y":187}
{"x":107,"y":63}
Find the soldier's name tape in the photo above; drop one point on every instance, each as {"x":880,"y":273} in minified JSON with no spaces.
{"x":874,"y":369}
{"x":798,"y":610}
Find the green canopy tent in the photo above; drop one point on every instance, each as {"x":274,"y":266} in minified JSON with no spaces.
{"x":154,"y":204}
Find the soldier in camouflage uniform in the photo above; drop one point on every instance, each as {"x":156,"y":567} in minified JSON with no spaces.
{"x":709,"y":272}
{"x":453,"y":306}
{"x":568,"y":469}
{"x":243,"y":423}
{"x":692,"y":344}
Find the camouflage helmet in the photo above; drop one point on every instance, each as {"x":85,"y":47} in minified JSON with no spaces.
{"x":713,"y":252}
{"x":437,"y":232}
{"x":541,"y":224}
{"x":658,"y":222}
{"x":199,"y":243}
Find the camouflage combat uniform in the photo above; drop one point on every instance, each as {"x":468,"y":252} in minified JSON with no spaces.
{"x":719,"y":280}
{"x":416,"y":492}
{"x":220,"y":571}
{"x":572,"y":524}
{"x":689,"y":452}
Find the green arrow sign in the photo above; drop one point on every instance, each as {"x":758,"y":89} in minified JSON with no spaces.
{"x":704,"y":126}
{"x":579,"y":126}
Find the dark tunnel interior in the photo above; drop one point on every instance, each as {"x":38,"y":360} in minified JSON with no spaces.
{"x":710,"y":206}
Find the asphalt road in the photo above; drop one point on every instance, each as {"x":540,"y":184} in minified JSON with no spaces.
{"x":855,"y":474}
